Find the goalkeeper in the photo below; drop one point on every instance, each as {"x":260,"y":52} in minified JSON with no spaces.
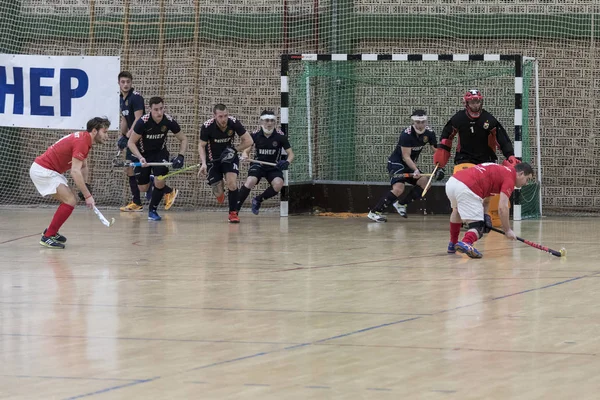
{"x":216,"y":148}
{"x":479,"y":135}
{"x":269,"y":143}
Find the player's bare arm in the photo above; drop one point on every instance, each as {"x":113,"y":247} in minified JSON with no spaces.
{"x":138,"y":114}
{"x":77,"y":166}
{"x":132,"y":144}
{"x":123,"y":126}
{"x":85,"y":171}
{"x":202,"y":153}
{"x":183,"y":140}
{"x":409,"y":162}
{"x":245,"y":143}
{"x":504,"y":216}
{"x":290,"y":155}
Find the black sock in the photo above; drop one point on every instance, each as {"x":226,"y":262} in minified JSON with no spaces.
{"x":267,"y":194}
{"x":242,"y":196}
{"x":385,"y":201}
{"x":135,"y":190}
{"x":233,"y":199}
{"x":157,"y":195}
{"x":167,"y":189}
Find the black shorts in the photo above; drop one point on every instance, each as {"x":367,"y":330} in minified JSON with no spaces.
{"x":396,"y":170}
{"x":264,"y":171}
{"x":142,"y":175}
{"x":217,"y":169}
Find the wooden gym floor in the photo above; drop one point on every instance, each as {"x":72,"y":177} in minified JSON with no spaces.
{"x":294,"y":308}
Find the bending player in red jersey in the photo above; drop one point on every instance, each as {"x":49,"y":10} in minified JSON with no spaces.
{"x":46,"y":172}
{"x":467,"y":190}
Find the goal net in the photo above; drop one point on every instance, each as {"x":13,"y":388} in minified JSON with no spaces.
{"x":346,"y":112}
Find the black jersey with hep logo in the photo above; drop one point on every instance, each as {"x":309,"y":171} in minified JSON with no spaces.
{"x":217,"y":139}
{"x":154,"y":135}
{"x":268,"y":148}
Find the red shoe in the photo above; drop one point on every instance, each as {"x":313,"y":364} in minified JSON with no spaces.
{"x":221,"y":198}
{"x":233,"y":217}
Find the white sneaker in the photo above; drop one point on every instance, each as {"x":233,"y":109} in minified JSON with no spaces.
{"x":401,"y":208}
{"x":377,"y":216}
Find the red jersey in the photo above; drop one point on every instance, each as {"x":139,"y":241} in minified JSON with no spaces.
{"x":58,"y":157}
{"x":488,"y":178}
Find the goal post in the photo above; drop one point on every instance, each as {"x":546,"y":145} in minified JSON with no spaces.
{"x":344,"y":112}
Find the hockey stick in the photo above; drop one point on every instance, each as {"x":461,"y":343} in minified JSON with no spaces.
{"x":103,"y":219}
{"x":262,"y":162}
{"x":408,"y":175}
{"x":437,"y":165}
{"x":163,"y":177}
{"x":561,"y":253}
{"x":139,"y":164}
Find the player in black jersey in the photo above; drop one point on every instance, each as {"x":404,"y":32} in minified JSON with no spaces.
{"x":148,"y":143}
{"x":268,"y":142}
{"x":404,"y":161}
{"x":480,"y":134}
{"x":219,"y":157}
{"x":132,"y":108}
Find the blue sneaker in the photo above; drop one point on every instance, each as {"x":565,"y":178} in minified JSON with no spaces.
{"x":153,"y":216}
{"x":451,"y":248}
{"x":149,"y":192}
{"x":256,"y":203}
{"x":468,"y":250}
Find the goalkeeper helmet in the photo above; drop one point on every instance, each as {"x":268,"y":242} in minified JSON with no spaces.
{"x":473,"y":110}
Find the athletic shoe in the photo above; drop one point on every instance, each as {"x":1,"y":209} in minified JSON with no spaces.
{"x":401,"y":208}
{"x":153,"y":216}
{"x":221,"y":198}
{"x":150,"y":188}
{"x":51,"y":243}
{"x":451,"y":248}
{"x":256,"y":203}
{"x":132,"y":207}
{"x":170,"y":198}
{"x":377,"y":216}
{"x":58,"y":237}
{"x":233,"y":217}
{"x":468,"y":249}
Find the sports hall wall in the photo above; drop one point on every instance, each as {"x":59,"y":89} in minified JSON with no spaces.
{"x":198,"y":53}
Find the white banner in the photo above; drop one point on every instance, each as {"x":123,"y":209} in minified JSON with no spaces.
{"x":56,"y":92}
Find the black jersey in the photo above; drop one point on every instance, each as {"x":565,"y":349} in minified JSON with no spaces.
{"x":130,"y":104}
{"x":410,"y":138}
{"x":477,"y":138}
{"x":268,"y":148}
{"x":154,"y":135}
{"x":217,"y":139}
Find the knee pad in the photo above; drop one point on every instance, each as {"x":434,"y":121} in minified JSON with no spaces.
{"x":479,"y":226}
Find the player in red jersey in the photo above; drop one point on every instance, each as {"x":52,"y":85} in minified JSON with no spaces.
{"x":46,"y":172}
{"x":467,"y":190}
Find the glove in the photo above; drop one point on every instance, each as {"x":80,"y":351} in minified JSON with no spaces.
{"x":122,"y":142}
{"x":228,"y":155}
{"x":81,"y":196}
{"x":442,"y":153}
{"x":177,"y":162}
{"x":283,"y":164}
{"x":512,"y":160}
{"x":439,"y":174}
{"x":488,"y":223}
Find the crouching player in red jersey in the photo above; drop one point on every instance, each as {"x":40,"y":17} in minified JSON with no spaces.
{"x":467,"y":190}
{"x":46,"y":172}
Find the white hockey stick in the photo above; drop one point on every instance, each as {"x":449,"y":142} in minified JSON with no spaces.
{"x":103,"y":219}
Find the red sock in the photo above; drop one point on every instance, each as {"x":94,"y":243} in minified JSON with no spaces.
{"x":470,"y":238}
{"x":454,"y":232}
{"x":60,"y":216}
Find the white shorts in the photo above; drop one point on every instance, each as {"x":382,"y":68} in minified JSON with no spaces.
{"x":45,"y":180}
{"x":468,"y":204}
